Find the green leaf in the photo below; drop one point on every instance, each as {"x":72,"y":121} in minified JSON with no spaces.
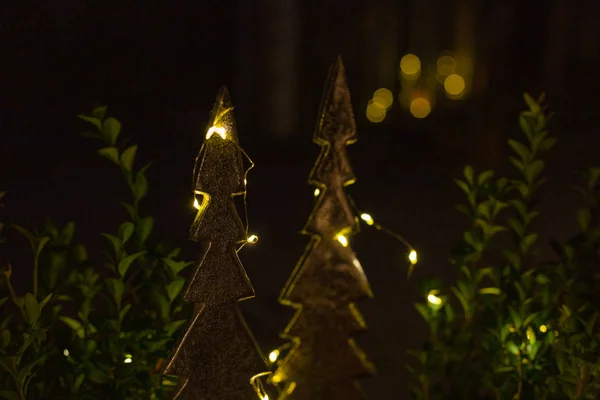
{"x":463,"y":209}
{"x":463,"y":301}
{"x":521,"y":150}
{"x":547,"y":144}
{"x":517,"y":163}
{"x":125,"y":263}
{"x":584,"y":217}
{"x":26,"y":370}
{"x":32,"y":308}
{"x":125,"y":231}
{"x":128,"y":157}
{"x":111,"y":130}
{"x":97,"y":375}
{"x":141,"y":186}
{"x":485,"y":176}
{"x":490,"y":290}
{"x":469,"y":173}
{"x":463,"y":185}
{"x":99,"y":112}
{"x":531,"y":103}
{"x":172,"y":327}
{"x":144,"y":228}
{"x":116,"y":288}
{"x":593,"y":172}
{"x":5,"y":336}
{"x":124,"y":312}
{"x":174,"y":287}
{"x":176,"y":266}
{"x":28,"y":235}
{"x":516,"y":226}
{"x":528,"y":241}
{"x":45,"y":301}
{"x":532,"y":170}
{"x":516,"y":317}
{"x":40,"y":244}
{"x":112,"y":153}
{"x":525,"y":126}
{"x":130,"y":210}
{"x":97,"y":123}
{"x":542,"y":279}
{"x":510,"y":346}
{"x":423,"y":310}
{"x":520,"y":206}
{"x":75,"y":325}
{"x":116,"y":243}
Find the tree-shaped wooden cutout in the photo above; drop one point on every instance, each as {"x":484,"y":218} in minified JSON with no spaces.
{"x":324,"y":361}
{"x":217,"y":357}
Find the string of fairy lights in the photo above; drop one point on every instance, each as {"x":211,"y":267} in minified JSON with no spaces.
{"x":341,"y":237}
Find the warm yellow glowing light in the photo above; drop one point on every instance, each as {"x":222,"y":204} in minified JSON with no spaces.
{"x":420,"y":107}
{"x":375,"y":112}
{"x":342,"y":239}
{"x":218,"y":129}
{"x":433,"y":299}
{"x":252,"y":239}
{"x":277,"y":378}
{"x":367,"y":218}
{"x":66,"y":352}
{"x":245,"y":181}
{"x":265,"y":397}
{"x":454,"y":85}
{"x":128,"y":360}
{"x":413,"y":257}
{"x":446,"y":65}
{"x":273,"y":356}
{"x":317,"y":192}
{"x":543,"y":328}
{"x":410,"y":65}
{"x":196,"y":204}
{"x":383,"y":97}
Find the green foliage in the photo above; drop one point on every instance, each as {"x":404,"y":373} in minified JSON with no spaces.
{"x":513,"y":326}
{"x":95,"y":325}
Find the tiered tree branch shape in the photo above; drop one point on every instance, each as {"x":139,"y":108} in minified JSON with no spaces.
{"x":324,"y":361}
{"x":218,"y":357}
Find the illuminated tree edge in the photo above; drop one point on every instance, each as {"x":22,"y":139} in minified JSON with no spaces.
{"x":218,"y":358}
{"x":324,"y":362}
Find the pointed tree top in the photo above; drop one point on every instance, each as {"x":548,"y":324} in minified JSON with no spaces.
{"x":221,"y":123}
{"x":336,"y":120}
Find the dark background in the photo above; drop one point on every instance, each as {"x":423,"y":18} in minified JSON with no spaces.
{"x":158,"y":65}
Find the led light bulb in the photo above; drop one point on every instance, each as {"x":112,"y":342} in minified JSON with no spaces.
{"x":413,"y":257}
{"x":273,"y":356}
{"x":433,"y":299}
{"x":216,"y":129}
{"x":342,"y":239}
{"x":367,"y":218}
{"x":252,"y":239}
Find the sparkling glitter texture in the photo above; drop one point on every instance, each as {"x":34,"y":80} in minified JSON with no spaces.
{"x":324,"y":361}
{"x":217,"y":357}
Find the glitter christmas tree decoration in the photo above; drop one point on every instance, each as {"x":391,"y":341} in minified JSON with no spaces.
{"x":324,"y":361}
{"x":218,"y":358}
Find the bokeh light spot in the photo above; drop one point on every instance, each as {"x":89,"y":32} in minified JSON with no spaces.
{"x":410,"y":65}
{"x":454,"y":85}
{"x":420,"y":107}
{"x":375,"y":112}
{"x":446,"y":65}
{"x":383,"y":97}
